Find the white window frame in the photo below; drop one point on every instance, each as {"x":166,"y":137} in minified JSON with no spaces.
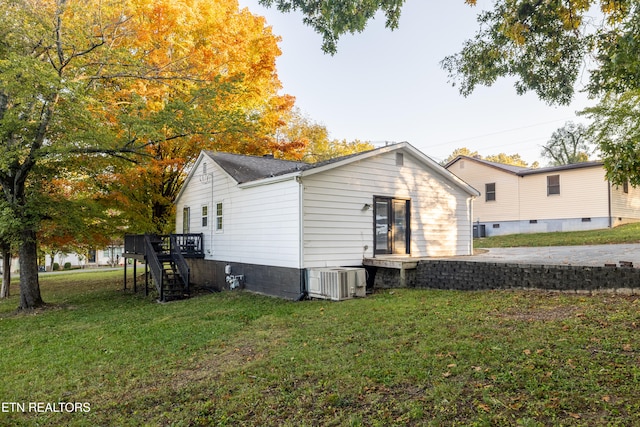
{"x":186,"y":220}
{"x":219,"y":222}
{"x":204,"y":213}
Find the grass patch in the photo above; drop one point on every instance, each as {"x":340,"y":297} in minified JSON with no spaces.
{"x":629,"y":233}
{"x":405,"y":357}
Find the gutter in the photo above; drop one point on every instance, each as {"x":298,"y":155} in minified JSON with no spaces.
{"x":270,"y":180}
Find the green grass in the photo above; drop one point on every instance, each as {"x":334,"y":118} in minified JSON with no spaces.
{"x":402,"y":357}
{"x":629,"y":233}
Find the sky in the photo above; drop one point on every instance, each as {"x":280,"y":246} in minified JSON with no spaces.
{"x":385,"y":85}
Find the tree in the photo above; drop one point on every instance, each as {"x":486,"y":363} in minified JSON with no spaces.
{"x":333,"y":18}
{"x":82,"y":85}
{"x":568,"y":144}
{"x":616,"y":132}
{"x":506,"y":159}
{"x":5,"y":288}
{"x":237,"y":110}
{"x":312,"y":142}
{"x":545,"y":45}
{"x":463,"y":151}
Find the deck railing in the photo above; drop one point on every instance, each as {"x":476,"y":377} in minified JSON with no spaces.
{"x":190,"y":245}
{"x":154,"y":265}
{"x":181,"y":263}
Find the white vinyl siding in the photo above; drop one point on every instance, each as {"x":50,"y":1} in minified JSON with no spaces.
{"x":260,"y":224}
{"x":262,"y":219}
{"x":338,"y":231}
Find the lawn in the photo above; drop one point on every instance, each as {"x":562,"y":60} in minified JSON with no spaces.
{"x":629,"y":233}
{"x":401,"y":357}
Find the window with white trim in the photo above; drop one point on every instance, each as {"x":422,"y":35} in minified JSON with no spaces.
{"x":186,"y":219}
{"x":219,"y":216}
{"x":205,"y":216}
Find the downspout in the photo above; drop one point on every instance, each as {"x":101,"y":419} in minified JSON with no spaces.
{"x":471,"y":199}
{"x":303,"y":272}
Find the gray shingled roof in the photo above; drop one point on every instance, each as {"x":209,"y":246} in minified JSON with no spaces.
{"x":244,"y":168}
{"x":522,"y":171}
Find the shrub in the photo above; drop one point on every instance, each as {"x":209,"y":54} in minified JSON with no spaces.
{"x":67,"y":266}
{"x":56,"y":266}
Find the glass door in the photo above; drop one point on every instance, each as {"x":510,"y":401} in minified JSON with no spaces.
{"x":392,"y":232}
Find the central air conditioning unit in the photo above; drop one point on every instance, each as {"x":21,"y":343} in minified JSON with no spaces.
{"x":337,"y":283}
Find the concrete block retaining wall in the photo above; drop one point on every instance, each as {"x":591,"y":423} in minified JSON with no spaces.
{"x":465,"y":275}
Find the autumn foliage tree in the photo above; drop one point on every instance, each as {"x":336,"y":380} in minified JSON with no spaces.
{"x":85,"y":83}
{"x":506,"y":159}
{"x":310,"y":140}
{"x":226,"y":99}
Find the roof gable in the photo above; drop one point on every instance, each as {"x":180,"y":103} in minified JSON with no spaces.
{"x":256,"y":170}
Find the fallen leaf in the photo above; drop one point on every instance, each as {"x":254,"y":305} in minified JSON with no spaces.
{"x":606,"y":398}
{"x":627,"y":347}
{"x":484,"y":407}
{"x":527,"y":351}
{"x":574,"y":415}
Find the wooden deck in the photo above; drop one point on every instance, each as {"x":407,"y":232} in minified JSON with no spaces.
{"x":397,"y":262}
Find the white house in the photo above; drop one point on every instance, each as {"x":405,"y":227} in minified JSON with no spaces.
{"x":109,"y":256}
{"x":271,"y":220}
{"x":559,"y":198}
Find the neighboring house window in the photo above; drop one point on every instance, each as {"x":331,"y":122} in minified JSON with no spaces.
{"x":553,"y":184}
{"x":625,"y":187}
{"x":490,"y":192}
{"x":205,"y":215}
{"x":399,"y":159}
{"x":186,"y":215}
{"x":219,"y":216}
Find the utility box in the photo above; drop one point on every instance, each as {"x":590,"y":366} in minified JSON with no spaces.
{"x":337,"y":283}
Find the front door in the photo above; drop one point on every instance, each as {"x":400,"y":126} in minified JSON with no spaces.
{"x":392,"y":231}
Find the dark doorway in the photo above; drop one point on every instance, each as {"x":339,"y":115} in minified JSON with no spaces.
{"x":391,"y":227}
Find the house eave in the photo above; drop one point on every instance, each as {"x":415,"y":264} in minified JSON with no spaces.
{"x":269,"y":181}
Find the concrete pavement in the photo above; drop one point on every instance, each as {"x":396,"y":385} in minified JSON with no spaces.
{"x":592,"y":255}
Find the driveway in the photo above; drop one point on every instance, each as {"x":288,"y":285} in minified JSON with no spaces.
{"x":593,"y":255}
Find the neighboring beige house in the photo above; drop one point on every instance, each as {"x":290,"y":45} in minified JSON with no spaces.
{"x":561,"y":198}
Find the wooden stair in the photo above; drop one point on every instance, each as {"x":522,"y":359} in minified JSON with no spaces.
{"x":173,"y":285}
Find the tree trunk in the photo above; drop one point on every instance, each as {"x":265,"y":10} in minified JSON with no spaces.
{"x":6,"y":272}
{"x":29,"y":286}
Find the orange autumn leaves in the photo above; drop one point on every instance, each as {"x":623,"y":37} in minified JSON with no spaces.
{"x":205,"y":78}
